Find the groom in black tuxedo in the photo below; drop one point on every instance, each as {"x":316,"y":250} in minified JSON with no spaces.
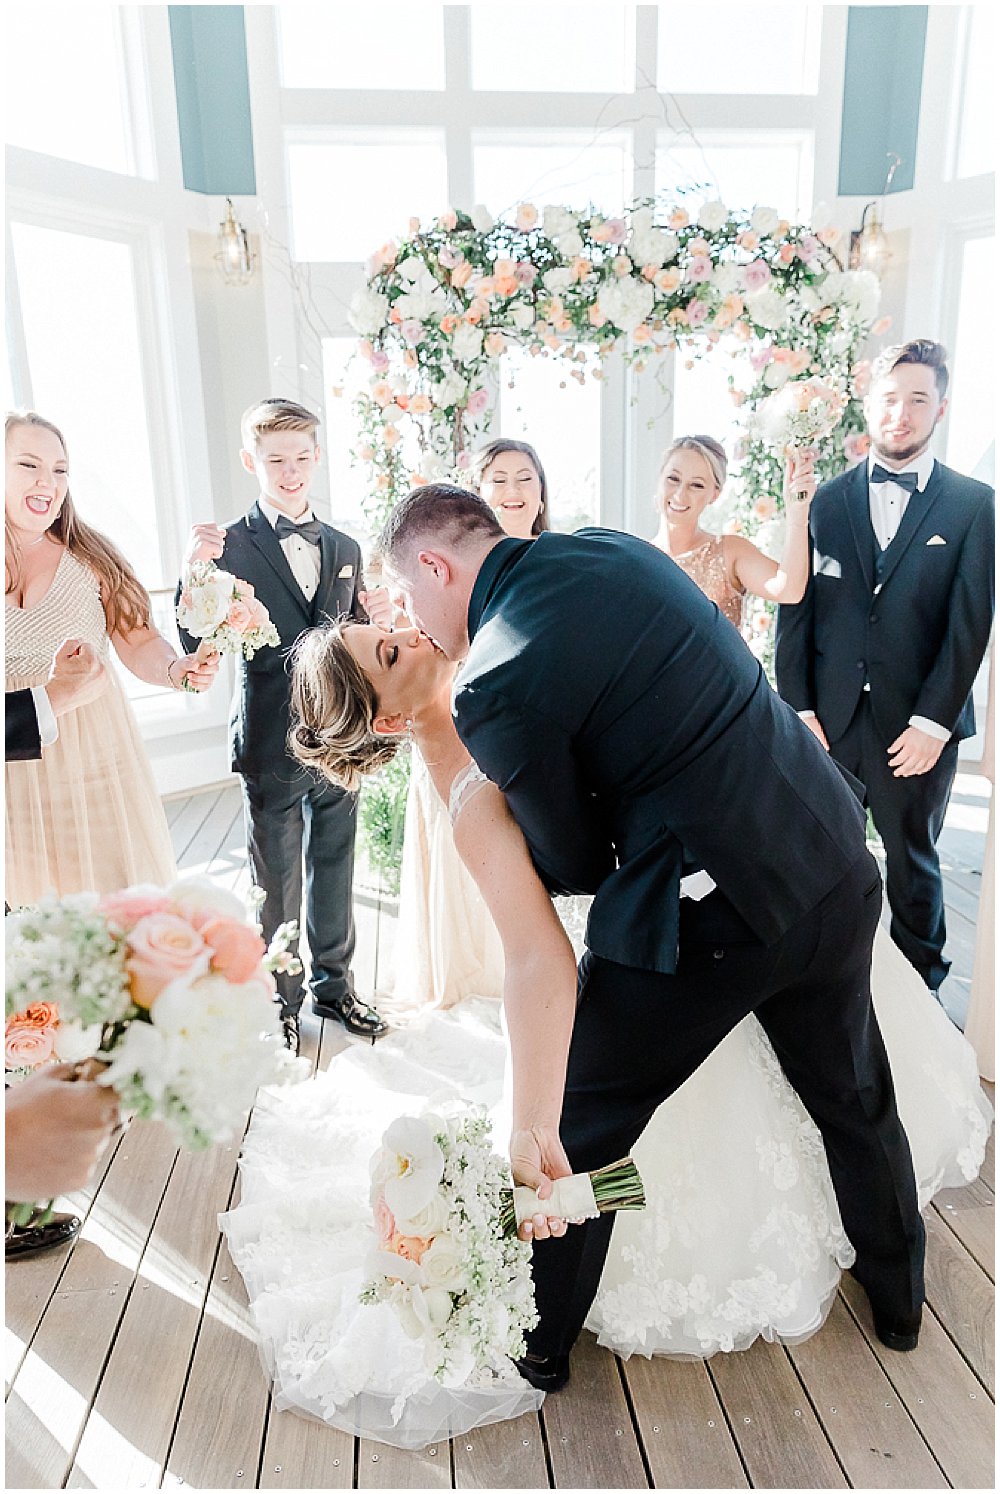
{"x":304,"y":572}
{"x":880,"y":655}
{"x":647,"y":760}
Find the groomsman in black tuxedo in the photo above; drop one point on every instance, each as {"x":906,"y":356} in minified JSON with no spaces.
{"x":76,"y":676}
{"x":880,"y":655}
{"x":304,"y":572}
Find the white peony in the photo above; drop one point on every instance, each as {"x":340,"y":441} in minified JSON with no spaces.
{"x":764,"y":220}
{"x":726,"y":278}
{"x":482,"y":221}
{"x":467,"y":343}
{"x":626,"y":302}
{"x":569,"y":244}
{"x":649,"y":245}
{"x":521,"y":316}
{"x":369,"y":311}
{"x":559,"y":220}
{"x":767,"y":308}
{"x":411,"y":269}
{"x":450,"y":390}
{"x":858,"y":290}
{"x":556,"y":280}
{"x":419,"y":1163}
{"x":210,"y":599}
{"x":713,"y":215}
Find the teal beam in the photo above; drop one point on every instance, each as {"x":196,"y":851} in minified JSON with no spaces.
{"x":882,"y":77}
{"x":213,"y":99}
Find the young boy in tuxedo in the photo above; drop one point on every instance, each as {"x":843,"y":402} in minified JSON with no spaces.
{"x":304,"y":572}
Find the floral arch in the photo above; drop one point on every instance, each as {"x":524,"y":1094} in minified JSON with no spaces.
{"x":441,"y":306}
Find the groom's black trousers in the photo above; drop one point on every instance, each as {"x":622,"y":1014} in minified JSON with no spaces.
{"x":638,"y":1035}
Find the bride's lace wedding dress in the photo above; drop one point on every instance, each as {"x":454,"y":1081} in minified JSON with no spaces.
{"x":741,"y":1237}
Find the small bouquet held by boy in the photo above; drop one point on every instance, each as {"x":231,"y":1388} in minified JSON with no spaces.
{"x":224,"y":613}
{"x":165,"y":994}
{"x":798,"y":416}
{"x":447,"y":1257}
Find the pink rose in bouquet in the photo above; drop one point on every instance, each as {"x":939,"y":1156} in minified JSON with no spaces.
{"x":236,"y":949}
{"x":162,"y":947}
{"x":28,"y":1042}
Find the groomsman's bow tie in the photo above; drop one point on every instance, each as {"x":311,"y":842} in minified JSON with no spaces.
{"x":310,"y":530}
{"x":907,"y":480}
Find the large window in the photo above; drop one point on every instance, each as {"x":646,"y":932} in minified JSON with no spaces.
{"x":66,"y":84}
{"x":337,"y":215}
{"x":977,"y":112}
{"x":553,"y":48}
{"x":85,"y":367}
{"x":972,"y":420}
{"x":353,"y":46}
{"x":569,"y":167}
{"x":345,"y":376}
{"x":556,"y":406}
{"x":745,"y":168}
{"x":738,"y":48}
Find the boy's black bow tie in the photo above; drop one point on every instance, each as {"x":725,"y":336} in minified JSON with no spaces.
{"x":907,"y":480}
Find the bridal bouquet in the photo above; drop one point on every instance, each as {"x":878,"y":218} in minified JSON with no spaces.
{"x":441,"y":1259}
{"x":223,"y":612}
{"x":800,"y":414}
{"x":169,"y":990}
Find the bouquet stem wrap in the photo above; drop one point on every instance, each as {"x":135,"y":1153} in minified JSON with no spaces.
{"x":583,"y":1195}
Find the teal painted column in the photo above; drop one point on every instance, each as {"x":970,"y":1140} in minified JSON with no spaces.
{"x":213,"y":99}
{"x":882,"y":79}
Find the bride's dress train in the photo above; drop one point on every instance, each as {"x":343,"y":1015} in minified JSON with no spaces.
{"x":741,"y":1236}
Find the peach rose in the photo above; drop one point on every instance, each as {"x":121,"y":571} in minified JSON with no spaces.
{"x":764,"y":507}
{"x":642,"y":334}
{"x":786,"y":254}
{"x":448,"y":323}
{"x":622,"y":265}
{"x":162,"y":947}
{"x":26,"y":1045}
{"x":390,"y":436}
{"x":124,"y":909}
{"x":667,"y":281}
{"x":595,"y":316}
{"x":259,"y":615}
{"x":748,"y":240}
{"x":38,"y":1014}
{"x":420,"y":404}
{"x":526,"y":216}
{"x":237,"y":949}
{"x":239,"y":617}
{"x":679,"y":218}
{"x":581,"y":267}
{"x":410,"y":1247}
{"x":495,"y":344}
{"x":699,"y":246}
{"x":410,"y":358}
{"x":382,"y":393}
{"x":461,"y":274}
{"x":449,"y":220}
{"x":882,"y":325}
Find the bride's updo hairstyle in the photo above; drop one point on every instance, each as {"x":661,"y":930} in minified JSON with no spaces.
{"x":707,"y":447}
{"x":333,"y":707}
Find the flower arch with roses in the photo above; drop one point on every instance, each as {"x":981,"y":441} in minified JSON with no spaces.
{"x":441,"y":306}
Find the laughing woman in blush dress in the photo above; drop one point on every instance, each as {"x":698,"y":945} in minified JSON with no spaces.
{"x":86,"y":816}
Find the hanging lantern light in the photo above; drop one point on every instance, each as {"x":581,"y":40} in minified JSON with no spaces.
{"x":870,"y":243}
{"x":235,"y":258}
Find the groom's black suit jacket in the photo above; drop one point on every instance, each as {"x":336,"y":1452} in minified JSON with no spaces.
{"x":635,"y":736}
{"x":913,"y":621}
{"x":258,"y":724}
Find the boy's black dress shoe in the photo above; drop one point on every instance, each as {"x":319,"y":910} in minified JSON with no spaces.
{"x":27,"y":1240}
{"x":544,"y":1374}
{"x":362,"y":1021}
{"x":290,"y":1032}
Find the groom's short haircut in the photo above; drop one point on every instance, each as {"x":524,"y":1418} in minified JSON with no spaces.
{"x":437,"y":513}
{"x":933,"y":355}
{"x":268,"y":415}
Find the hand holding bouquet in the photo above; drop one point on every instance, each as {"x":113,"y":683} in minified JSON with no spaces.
{"x":168,"y":988}
{"x":800,"y":414}
{"x":223,"y":612}
{"x":441,"y":1259}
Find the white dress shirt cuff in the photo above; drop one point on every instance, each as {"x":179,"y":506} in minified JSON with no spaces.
{"x":48,"y":727}
{"x":939,"y":733}
{"x":807,"y":715}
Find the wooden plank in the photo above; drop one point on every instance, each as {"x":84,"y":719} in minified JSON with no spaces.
{"x":592,"y":1442}
{"x":300,"y":1453}
{"x":220,"y":1430}
{"x":60,"y":1374}
{"x":970,"y":1213}
{"x":987,"y":1173}
{"x":173,"y":806}
{"x":961,"y":1295}
{"x":940,"y":1392}
{"x":30,"y":1282}
{"x":961,"y":889}
{"x":781,"y":1441}
{"x":875,"y":1441}
{"x":382,"y":1467}
{"x":682,"y":1426}
{"x":128,"y":1435}
{"x":190,"y":820}
{"x":507,"y":1455}
{"x":203,"y":847}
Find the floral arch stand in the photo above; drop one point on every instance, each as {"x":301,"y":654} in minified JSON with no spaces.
{"x":441,"y":307}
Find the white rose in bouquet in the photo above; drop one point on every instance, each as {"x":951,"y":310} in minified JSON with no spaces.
{"x":443,"y":1265}
{"x":482,"y":220}
{"x":467,"y":343}
{"x":768,"y":309}
{"x":521,"y":316}
{"x":559,"y":220}
{"x":650,"y":245}
{"x":713,"y":215}
{"x":764,"y":220}
{"x":558,"y":279}
{"x":450,"y":390}
{"x":210,"y":603}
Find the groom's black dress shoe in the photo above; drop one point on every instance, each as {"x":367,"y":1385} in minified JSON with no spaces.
{"x":362,"y":1021}
{"x":544,"y":1374}
{"x":900,"y":1334}
{"x":26,"y":1241}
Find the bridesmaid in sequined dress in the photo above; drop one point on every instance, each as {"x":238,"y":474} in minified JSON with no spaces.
{"x":726,"y":567}
{"x":86,"y":816}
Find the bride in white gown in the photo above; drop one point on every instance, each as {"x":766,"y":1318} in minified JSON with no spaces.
{"x":741,"y":1236}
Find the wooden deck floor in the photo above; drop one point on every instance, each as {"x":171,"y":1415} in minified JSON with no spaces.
{"x":131,"y":1360}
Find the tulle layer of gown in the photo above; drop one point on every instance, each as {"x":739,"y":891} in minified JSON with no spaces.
{"x":741,"y":1237}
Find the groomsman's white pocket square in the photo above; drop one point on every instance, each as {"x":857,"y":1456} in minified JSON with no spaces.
{"x":345,"y":570}
{"x":826,"y":565}
{"x":936,"y":539}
